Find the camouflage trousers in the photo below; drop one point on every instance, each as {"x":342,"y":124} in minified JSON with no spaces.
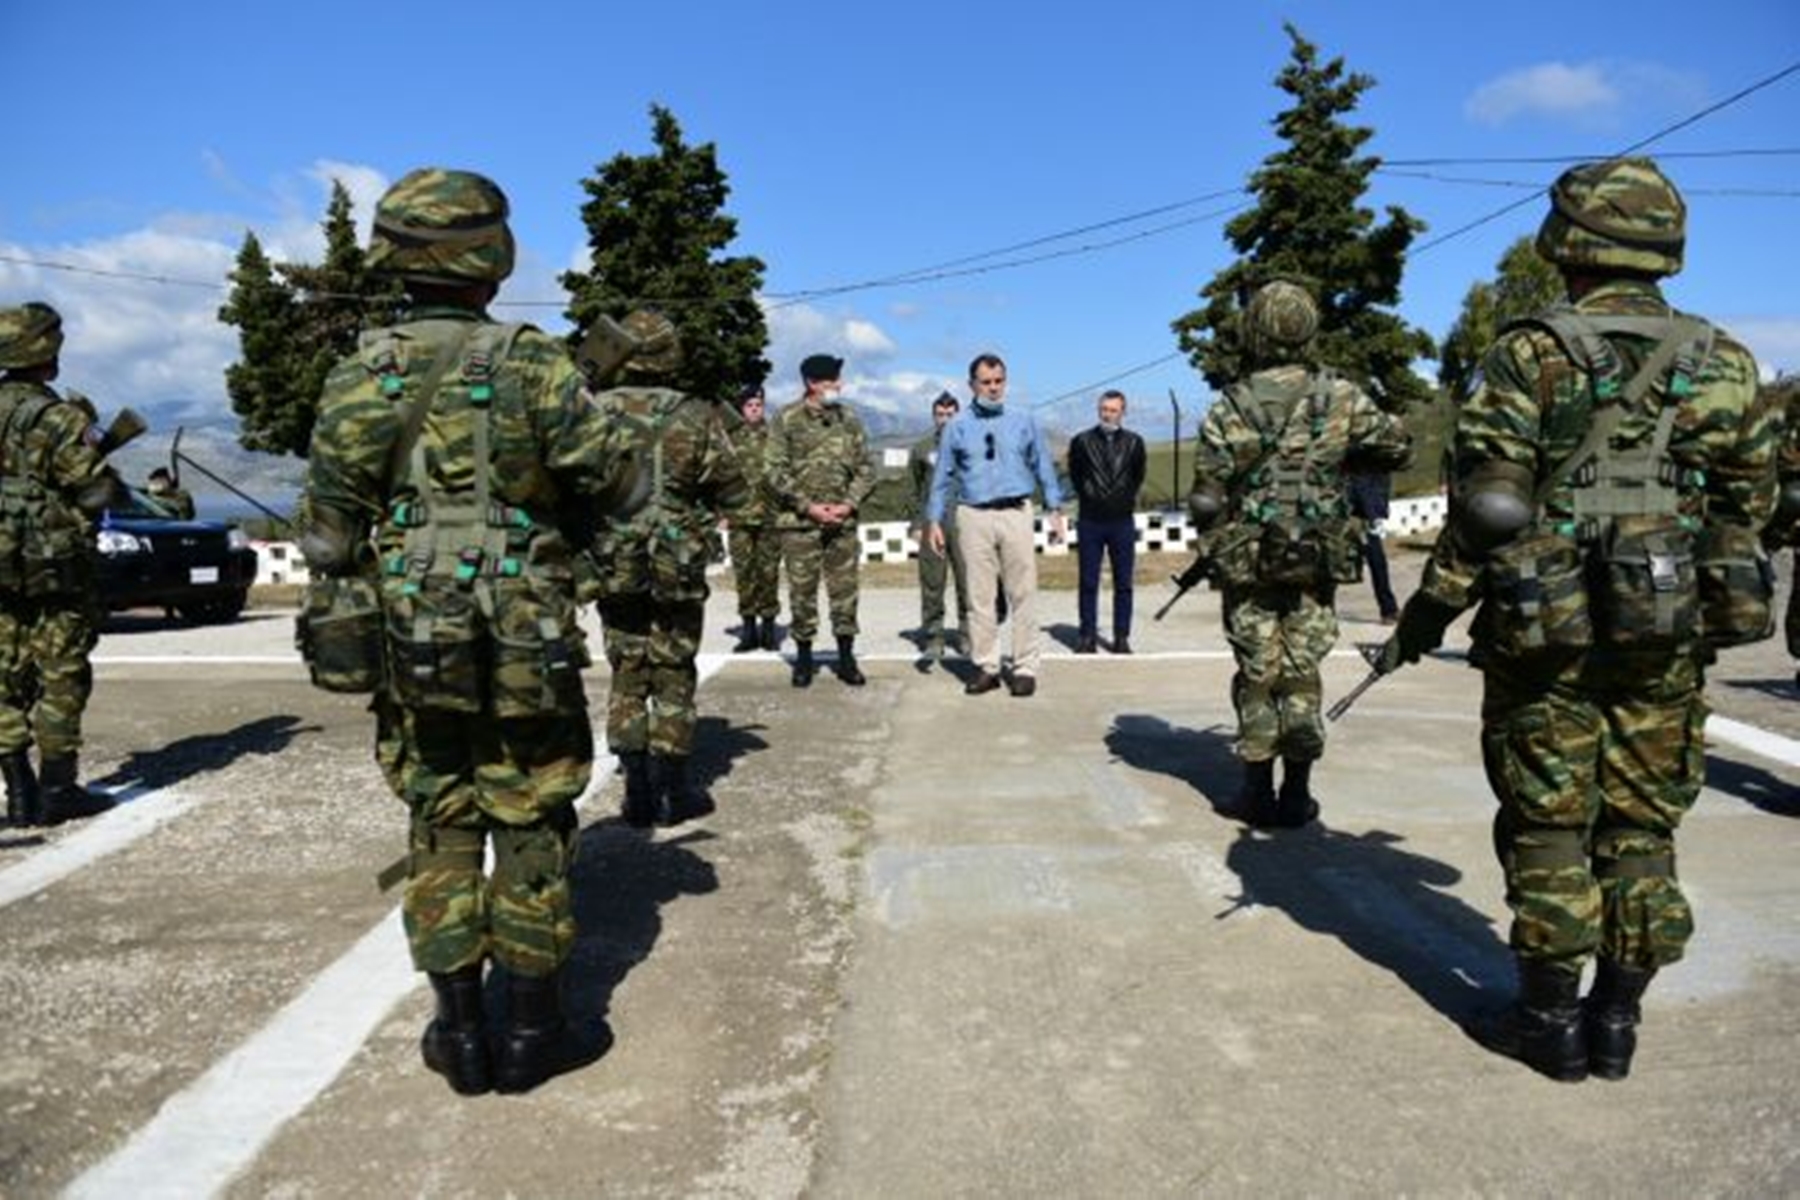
{"x":1279,"y":636}
{"x":471,"y":781}
{"x":935,"y":570}
{"x":1591,"y":789}
{"x":1792,"y":624}
{"x":756,"y":566}
{"x":45,"y":673}
{"x":808,"y":554}
{"x":651,"y":646}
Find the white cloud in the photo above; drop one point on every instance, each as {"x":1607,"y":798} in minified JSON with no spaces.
{"x":1774,"y":340}
{"x":1589,"y":95}
{"x":866,"y":338}
{"x":797,"y":330}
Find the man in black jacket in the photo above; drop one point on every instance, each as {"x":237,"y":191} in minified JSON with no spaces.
{"x":1106,"y":466}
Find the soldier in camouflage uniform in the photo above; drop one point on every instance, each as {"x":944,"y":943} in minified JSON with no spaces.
{"x":653,"y":574}
{"x":1785,"y":526}
{"x":755,"y":544}
{"x":54,"y":482}
{"x":935,"y":568}
{"x":1611,"y":470}
{"x":448,"y":457}
{"x":819,"y":475}
{"x":1271,"y":462}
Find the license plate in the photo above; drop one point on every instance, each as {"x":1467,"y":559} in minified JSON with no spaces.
{"x":203,"y":574}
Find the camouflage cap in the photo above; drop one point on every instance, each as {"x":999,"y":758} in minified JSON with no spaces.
{"x":1282,"y":313}
{"x":1622,"y":214}
{"x":442,"y":226}
{"x":658,"y":349}
{"x":30,"y":335}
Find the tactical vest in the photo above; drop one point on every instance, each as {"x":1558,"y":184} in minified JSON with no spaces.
{"x":45,"y":545}
{"x":1632,"y":563}
{"x":1292,"y":503}
{"x":661,"y":551}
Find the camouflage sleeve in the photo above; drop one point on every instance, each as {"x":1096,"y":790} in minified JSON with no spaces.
{"x":723,"y":474}
{"x":918,"y":470}
{"x":862,"y":470}
{"x":1379,"y":441}
{"x":347,"y":465}
{"x":1226,"y":445}
{"x":582,"y":446}
{"x":1741,"y":426}
{"x":778,"y":468}
{"x":76,"y":461}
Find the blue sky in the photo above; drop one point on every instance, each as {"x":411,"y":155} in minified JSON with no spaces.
{"x":860,"y":141}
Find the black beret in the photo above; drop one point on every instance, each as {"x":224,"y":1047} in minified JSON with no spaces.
{"x":819,"y":368}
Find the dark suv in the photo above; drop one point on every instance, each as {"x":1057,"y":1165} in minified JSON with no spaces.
{"x":199,"y":570}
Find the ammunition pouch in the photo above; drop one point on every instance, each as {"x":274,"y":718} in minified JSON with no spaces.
{"x":678,"y":566}
{"x":1536,"y":592}
{"x":1308,"y":555}
{"x":1737,"y":587}
{"x":338,"y":634}
{"x":1645,"y":591}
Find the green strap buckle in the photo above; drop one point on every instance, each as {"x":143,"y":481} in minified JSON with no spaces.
{"x":1680,"y":386}
{"x":396,"y":564}
{"x":511,"y":568}
{"x":1606,"y":389}
{"x":392,"y":385}
{"x":481,"y":394}
{"x":409,"y":588}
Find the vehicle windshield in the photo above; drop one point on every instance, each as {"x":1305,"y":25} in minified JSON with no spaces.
{"x":141,"y":505}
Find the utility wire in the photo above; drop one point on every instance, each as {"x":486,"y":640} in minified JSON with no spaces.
{"x":1758,"y":193}
{"x":1088,"y":389}
{"x":1558,"y":159}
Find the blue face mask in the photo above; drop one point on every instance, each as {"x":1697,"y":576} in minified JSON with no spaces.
{"x":983,"y":404}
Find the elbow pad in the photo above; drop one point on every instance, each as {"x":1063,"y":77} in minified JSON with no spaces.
{"x":1787,"y":506}
{"x":1206,"y":504}
{"x":328,"y":542}
{"x":1495,"y":503}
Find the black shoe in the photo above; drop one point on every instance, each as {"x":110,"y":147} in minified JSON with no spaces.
{"x":455,"y":1043}
{"x":1121,"y":644}
{"x":983,"y":683}
{"x":1022,"y":685}
{"x":678,"y":798}
{"x":1087,"y":643}
{"x":62,"y":798}
{"x":639,"y":806}
{"x":749,"y":637}
{"x":24,"y":802}
{"x":536,"y":1043}
{"x":1256,"y":797}
{"x":803,"y":664}
{"x":1543,"y":1028}
{"x":770,"y":639}
{"x":846,"y":667}
{"x":1612,"y":1012}
{"x":1295,"y":806}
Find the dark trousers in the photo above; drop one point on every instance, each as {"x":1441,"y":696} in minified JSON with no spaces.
{"x":1114,"y":538}
{"x":1376,"y":556}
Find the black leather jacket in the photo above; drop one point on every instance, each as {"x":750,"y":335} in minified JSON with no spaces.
{"x":1107,"y":471}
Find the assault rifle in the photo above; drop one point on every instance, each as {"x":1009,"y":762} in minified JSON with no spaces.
{"x":1195,"y":574}
{"x":605,"y":350}
{"x":1372,"y":653}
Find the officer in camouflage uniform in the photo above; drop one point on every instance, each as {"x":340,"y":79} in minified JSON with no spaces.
{"x":653,"y":573}
{"x":755,"y":544}
{"x":1269,"y":494}
{"x":1785,"y":525}
{"x":449,"y":455}
{"x":54,"y":482}
{"x":936,"y":569}
{"x":1612,"y":468}
{"x":819,"y":475}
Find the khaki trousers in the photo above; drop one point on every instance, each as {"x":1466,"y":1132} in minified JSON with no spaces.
{"x":998,"y":554}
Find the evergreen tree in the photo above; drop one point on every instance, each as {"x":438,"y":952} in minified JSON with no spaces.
{"x":1525,"y":283}
{"x":658,"y":233}
{"x":1306,"y":225}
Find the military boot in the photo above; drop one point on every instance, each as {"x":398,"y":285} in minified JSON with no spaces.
{"x":62,"y":798}
{"x":770,"y":639}
{"x":1543,"y":1028}
{"x":1256,"y":799}
{"x":749,"y":637}
{"x":455,"y":1043}
{"x":24,"y":803}
{"x":803,"y":664}
{"x":678,"y":797}
{"x":536,"y":1043}
{"x":1295,"y":806}
{"x":1613,"y":1013}
{"x":846,"y":667}
{"x":638,"y":809}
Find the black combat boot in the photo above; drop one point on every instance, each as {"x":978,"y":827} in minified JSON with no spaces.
{"x":536,"y":1043}
{"x":455,"y":1043}
{"x":846,"y":667}
{"x":749,"y":637}
{"x":62,"y":798}
{"x":24,"y":803}
{"x":1612,"y":1017}
{"x":678,"y":797}
{"x":1295,"y":806}
{"x":770,"y":639}
{"x":1256,"y":800}
{"x":638,"y":809}
{"x":803,"y":664}
{"x":1543,"y":1028}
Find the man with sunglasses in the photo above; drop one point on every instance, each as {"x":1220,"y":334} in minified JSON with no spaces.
{"x":994,"y":460}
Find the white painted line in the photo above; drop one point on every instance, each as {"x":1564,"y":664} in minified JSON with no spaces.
{"x":211,"y":660}
{"x":137,"y":814}
{"x":206,"y":1133}
{"x":1758,"y":741}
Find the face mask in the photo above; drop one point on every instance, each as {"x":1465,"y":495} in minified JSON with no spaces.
{"x":1111,"y":424}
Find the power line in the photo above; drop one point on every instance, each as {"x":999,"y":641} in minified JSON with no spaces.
{"x":1088,"y":389}
{"x":1753,"y":193}
{"x":1561,"y":159}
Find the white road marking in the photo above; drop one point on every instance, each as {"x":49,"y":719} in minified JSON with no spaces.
{"x":137,"y":814}
{"x":206,"y":1133}
{"x":1772,"y":746}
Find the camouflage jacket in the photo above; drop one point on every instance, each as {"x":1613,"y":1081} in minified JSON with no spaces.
{"x":696,"y":475}
{"x":1531,"y":406}
{"x":1785,"y":531}
{"x":752,"y":444}
{"x":817,"y":456}
{"x":49,"y":457}
{"x":921,"y":466}
{"x":552,"y":456}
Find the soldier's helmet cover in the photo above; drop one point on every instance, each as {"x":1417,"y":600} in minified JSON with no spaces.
{"x":437,"y":225}
{"x":1282,"y":313}
{"x":658,"y":349}
{"x":30,"y":335}
{"x":1620,"y":215}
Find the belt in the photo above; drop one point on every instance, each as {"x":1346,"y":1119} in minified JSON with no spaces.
{"x":1007,"y":502}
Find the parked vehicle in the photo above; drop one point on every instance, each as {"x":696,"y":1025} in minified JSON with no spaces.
{"x":200,"y":571}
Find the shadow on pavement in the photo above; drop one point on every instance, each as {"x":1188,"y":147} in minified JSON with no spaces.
{"x":1753,"y":785}
{"x":1385,"y":904}
{"x":718,"y":744}
{"x":1782,"y":688}
{"x":1201,"y":758}
{"x":150,"y":769}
